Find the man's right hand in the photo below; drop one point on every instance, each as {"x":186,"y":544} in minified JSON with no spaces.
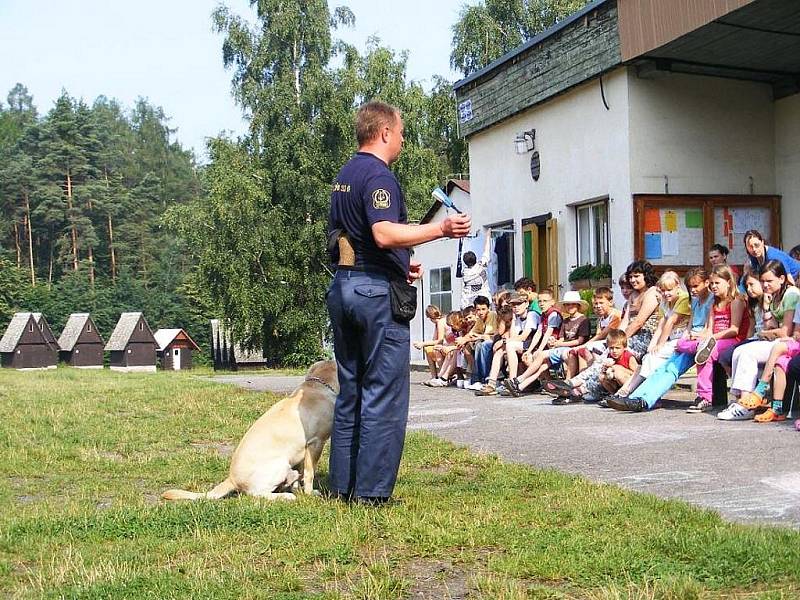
{"x":456,"y":226}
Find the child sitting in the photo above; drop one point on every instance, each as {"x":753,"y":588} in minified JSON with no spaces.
{"x":509,"y":348}
{"x":527,"y":287}
{"x":608,"y":318}
{"x":439,"y":329}
{"x":442,"y":352}
{"x":619,"y":364}
{"x":573,"y":330}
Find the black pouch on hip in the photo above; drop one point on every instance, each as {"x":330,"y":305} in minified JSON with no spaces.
{"x":404,"y":300}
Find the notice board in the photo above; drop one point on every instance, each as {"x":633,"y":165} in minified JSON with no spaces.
{"x":675,"y":232}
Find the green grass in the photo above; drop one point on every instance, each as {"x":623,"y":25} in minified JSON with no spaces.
{"x":85,"y":455}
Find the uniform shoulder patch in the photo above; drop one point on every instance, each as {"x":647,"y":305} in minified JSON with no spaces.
{"x":381,"y":199}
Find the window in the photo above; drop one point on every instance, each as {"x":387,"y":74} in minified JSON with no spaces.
{"x":593,"y":233}
{"x":441,"y":289}
{"x":141,"y":326}
{"x":504,"y":250}
{"x":89,"y":327}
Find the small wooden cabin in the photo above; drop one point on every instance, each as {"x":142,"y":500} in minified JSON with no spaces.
{"x":25,"y":343}
{"x":80,"y":343}
{"x":227,"y":354}
{"x":175,"y":349}
{"x":132,"y":345}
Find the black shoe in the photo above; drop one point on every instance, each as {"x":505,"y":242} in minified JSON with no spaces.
{"x":512,"y":387}
{"x":627,"y":404}
{"x":603,"y":403}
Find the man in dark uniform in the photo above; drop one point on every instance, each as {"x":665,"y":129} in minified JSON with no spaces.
{"x":372,"y":347}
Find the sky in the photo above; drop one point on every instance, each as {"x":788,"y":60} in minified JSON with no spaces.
{"x":165,"y":51}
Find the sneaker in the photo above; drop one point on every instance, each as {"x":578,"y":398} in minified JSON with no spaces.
{"x":704,"y":350}
{"x":460,"y":384}
{"x":736,"y":412}
{"x":437,"y":382}
{"x":475,"y":386}
{"x":487,"y":390}
{"x":700,"y":405}
{"x":624,"y":403}
{"x":797,"y":425}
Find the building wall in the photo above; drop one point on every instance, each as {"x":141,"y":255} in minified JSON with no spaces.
{"x":584,"y":156}
{"x":85,"y":355}
{"x":30,"y":356}
{"x":787,"y":166}
{"x":708,"y":135}
{"x":166,"y":358}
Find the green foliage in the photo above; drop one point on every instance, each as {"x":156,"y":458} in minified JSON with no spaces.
{"x":258,"y":236}
{"x":82,"y":193}
{"x":487,"y":30}
{"x":581,"y":272}
{"x":601,"y":272}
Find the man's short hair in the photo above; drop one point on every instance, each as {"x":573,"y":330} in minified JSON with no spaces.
{"x":604,"y":292}
{"x":467,"y":310}
{"x":372,"y":118}
{"x":482,"y":300}
{"x":548,"y":291}
{"x":470,"y":259}
{"x":525,"y":283}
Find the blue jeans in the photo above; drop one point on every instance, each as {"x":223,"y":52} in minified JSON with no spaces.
{"x":483,"y":361}
{"x":662,"y":379}
{"x":372,"y":355}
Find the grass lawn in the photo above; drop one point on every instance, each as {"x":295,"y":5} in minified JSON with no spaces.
{"x":85,"y":455}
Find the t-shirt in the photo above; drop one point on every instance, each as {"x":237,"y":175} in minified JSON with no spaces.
{"x":790,"y":265}
{"x":553,"y":319}
{"x":572,"y":329}
{"x":700,"y":310}
{"x":488,"y":327}
{"x":366,"y":192}
{"x":624,"y":359}
{"x":534,"y":306}
{"x":530,"y":321}
{"x":788,"y":302}
{"x":476,"y":282}
{"x":681,"y":308}
{"x":611,"y":320}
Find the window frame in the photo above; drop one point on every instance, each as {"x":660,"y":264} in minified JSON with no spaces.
{"x":440,"y":293}
{"x":605,"y":241}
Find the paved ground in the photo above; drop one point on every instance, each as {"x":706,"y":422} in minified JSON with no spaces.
{"x":745,"y":471}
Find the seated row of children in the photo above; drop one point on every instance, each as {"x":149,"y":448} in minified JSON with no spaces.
{"x":636,"y":355}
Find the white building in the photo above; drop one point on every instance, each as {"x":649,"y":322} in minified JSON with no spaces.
{"x":639,"y":129}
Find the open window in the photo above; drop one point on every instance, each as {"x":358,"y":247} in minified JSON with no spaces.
{"x":592,"y":238}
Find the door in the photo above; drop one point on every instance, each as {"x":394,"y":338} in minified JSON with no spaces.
{"x":176,"y":359}
{"x":540,"y":252}
{"x":551,"y":228}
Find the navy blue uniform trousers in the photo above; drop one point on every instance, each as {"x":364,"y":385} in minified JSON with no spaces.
{"x":372,"y":355}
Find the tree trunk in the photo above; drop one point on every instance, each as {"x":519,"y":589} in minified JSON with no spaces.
{"x":296,"y":67}
{"x":16,"y":243}
{"x":73,"y":227}
{"x":111,"y":237}
{"x":30,"y":238}
{"x":50,"y":270}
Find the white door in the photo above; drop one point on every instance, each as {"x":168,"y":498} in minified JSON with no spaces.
{"x":176,"y":359}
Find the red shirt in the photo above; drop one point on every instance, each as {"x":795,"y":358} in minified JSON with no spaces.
{"x":625,"y":359}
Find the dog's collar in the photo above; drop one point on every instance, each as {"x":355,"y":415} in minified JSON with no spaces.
{"x":323,"y":382}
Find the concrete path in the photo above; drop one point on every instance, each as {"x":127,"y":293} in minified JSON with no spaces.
{"x":745,"y":471}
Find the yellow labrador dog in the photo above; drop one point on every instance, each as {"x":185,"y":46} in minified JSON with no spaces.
{"x":290,"y":434}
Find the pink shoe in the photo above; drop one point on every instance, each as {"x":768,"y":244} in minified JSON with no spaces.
{"x":797,"y":424}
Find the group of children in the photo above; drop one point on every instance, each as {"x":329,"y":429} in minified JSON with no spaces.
{"x":724,"y":323}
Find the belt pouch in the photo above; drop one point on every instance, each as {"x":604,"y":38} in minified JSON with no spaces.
{"x":404,"y":300}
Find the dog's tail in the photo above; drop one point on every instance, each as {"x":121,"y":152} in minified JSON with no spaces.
{"x":223,"y":489}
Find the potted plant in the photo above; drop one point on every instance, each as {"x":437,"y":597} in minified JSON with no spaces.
{"x":580,"y":277}
{"x":601,"y":276}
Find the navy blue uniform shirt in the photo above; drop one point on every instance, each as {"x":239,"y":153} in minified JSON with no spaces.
{"x":366,"y":192}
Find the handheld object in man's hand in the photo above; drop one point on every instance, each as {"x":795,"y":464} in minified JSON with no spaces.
{"x":442,"y":197}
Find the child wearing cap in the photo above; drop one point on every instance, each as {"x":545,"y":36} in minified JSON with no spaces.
{"x":573,"y":330}
{"x":508,"y":349}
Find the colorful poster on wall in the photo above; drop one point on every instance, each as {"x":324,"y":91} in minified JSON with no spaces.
{"x":670,"y":221}
{"x":652,"y":220}
{"x":652,"y":246}
{"x":694,"y":218}
{"x":670,"y":243}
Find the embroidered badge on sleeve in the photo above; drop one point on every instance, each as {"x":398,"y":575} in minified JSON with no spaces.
{"x":381,"y":199}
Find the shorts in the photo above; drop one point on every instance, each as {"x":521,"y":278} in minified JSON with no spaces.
{"x":792,"y":350}
{"x":556,"y":356}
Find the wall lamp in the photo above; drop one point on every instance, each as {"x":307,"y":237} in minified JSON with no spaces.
{"x":525,"y":141}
